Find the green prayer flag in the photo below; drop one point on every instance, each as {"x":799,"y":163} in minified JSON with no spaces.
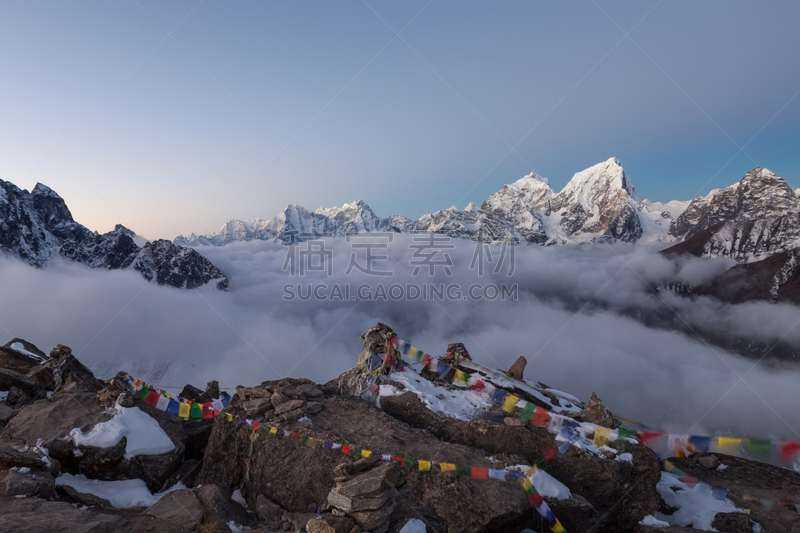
{"x":463,"y":470}
{"x":410,"y":461}
{"x":145,"y":393}
{"x":628,"y":433}
{"x":357,"y":452}
{"x":760,"y":448}
{"x":196,"y":411}
{"x":527,"y":412}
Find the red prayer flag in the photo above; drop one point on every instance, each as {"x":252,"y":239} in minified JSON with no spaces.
{"x":296,"y":435}
{"x":540,"y":416}
{"x":549,"y":453}
{"x":345,"y":449}
{"x":650,"y":435}
{"x":479,"y":473}
{"x":152,"y":398}
{"x":789,"y":450}
{"x":479,"y":385}
{"x":534,"y":499}
{"x":208,"y":410}
{"x":399,"y":459}
{"x":690,"y":481}
{"x":426,"y":360}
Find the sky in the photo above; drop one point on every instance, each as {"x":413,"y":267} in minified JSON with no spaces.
{"x":175,"y":117}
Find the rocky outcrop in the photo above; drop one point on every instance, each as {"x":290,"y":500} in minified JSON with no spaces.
{"x":627,"y":488}
{"x":759,"y":194}
{"x":37,"y":227}
{"x":295,"y":479}
{"x":177,"y":266}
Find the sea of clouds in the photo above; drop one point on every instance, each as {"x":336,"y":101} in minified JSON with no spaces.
{"x":579,"y":320}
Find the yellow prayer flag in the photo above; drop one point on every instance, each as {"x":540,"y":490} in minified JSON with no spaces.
{"x":532,"y":470}
{"x":229,"y":417}
{"x":313,"y":442}
{"x":447,"y":467}
{"x":273,"y":430}
{"x":424,"y":466}
{"x":184,"y":410}
{"x":558,"y":528}
{"x":526,"y":484}
{"x":728,"y":441}
{"x":668,"y":466}
{"x":601,"y":436}
{"x":365,"y":453}
{"x":510,"y":403}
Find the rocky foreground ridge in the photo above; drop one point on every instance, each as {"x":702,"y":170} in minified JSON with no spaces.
{"x":38,"y":227}
{"x":332,"y":458}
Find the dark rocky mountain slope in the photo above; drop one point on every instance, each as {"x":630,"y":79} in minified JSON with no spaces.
{"x":38,"y":227}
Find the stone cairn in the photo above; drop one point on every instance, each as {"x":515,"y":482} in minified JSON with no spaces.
{"x":363,"y":499}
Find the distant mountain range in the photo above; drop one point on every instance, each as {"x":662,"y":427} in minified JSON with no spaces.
{"x":599,"y":204}
{"x":38,"y":227}
{"x":756,"y":222}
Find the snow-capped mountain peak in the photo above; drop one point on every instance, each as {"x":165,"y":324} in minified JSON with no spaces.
{"x":595,"y":184}
{"x":531,"y":181}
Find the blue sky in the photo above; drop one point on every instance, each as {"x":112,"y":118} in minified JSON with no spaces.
{"x":246,"y":107}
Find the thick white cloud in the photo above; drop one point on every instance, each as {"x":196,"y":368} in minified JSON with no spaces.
{"x":580,"y":321}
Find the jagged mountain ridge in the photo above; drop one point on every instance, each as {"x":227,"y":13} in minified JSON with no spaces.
{"x":38,"y":227}
{"x":756,"y":222}
{"x":748,"y":221}
{"x":599,"y":204}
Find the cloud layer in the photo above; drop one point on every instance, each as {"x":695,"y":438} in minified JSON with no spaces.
{"x":579,"y":319}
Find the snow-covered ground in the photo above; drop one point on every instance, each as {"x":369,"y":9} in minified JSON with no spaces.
{"x":696,"y":505}
{"x":121,"y":494}
{"x":145,"y":436}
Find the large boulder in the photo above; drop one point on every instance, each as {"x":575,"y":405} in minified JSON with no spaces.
{"x":34,"y":515}
{"x":180,"y":508}
{"x":219,"y":509}
{"x":12,"y":378}
{"x":11,"y":359}
{"x":23,"y":482}
{"x":621,"y":493}
{"x":31,"y":515}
